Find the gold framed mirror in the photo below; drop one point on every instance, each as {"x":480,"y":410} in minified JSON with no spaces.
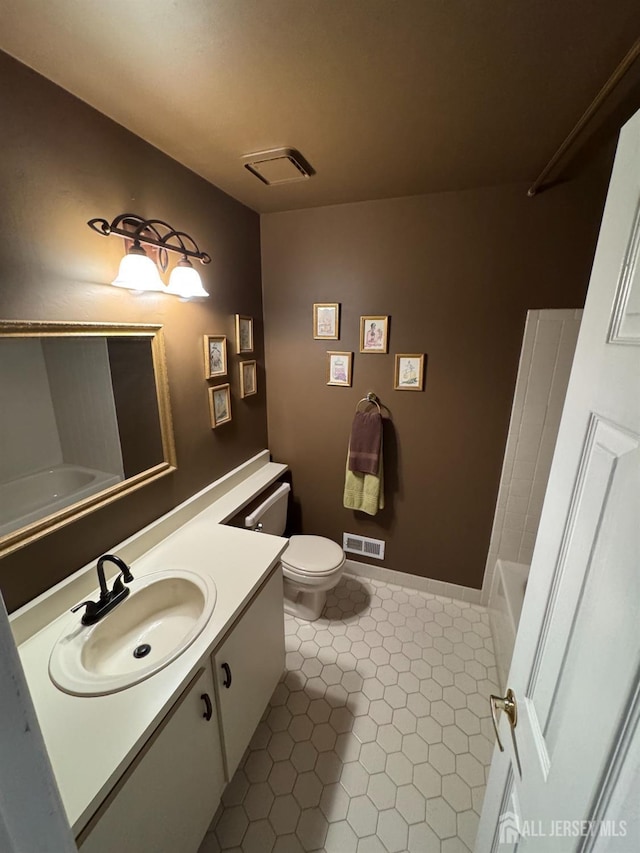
{"x":85,"y":418}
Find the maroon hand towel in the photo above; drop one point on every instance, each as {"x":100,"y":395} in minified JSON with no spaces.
{"x":365,"y":442}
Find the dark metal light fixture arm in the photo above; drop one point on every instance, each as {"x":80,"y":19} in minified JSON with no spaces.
{"x":179,"y":235}
{"x":118,"y":226}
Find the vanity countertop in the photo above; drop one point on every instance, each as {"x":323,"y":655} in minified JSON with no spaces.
{"x":92,"y":740}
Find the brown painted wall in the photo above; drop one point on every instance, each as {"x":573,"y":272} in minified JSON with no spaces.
{"x":63,"y":163}
{"x":456,"y":272}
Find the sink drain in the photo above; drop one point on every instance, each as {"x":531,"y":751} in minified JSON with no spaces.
{"x":142,"y":650}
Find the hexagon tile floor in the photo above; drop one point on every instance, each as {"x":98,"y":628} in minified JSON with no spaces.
{"x":377,"y":739}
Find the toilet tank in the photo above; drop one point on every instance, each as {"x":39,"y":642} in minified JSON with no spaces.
{"x":272,"y":513}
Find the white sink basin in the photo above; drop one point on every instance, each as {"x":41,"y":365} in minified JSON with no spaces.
{"x":162,"y":616}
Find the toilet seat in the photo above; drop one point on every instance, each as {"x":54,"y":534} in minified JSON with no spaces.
{"x":312,"y":556}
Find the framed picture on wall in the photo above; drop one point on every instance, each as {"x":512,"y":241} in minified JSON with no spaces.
{"x":409,"y":372}
{"x":220,"y":405}
{"x":244,"y":333}
{"x":326,"y":321}
{"x":374,"y":334}
{"x":248,"y":378}
{"x":339,"y":368}
{"x":215,"y":356}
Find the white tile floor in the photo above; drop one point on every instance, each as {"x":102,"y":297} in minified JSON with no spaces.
{"x":377,"y":739}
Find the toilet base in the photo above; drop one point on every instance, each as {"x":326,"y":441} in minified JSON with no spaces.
{"x":304,"y":605}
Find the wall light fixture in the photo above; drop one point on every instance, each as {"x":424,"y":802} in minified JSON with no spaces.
{"x":138,"y":272}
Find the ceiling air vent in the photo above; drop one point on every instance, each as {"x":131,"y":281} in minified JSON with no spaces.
{"x":279,"y":166}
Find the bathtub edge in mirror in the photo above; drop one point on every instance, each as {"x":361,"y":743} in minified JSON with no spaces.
{"x":158,"y":388}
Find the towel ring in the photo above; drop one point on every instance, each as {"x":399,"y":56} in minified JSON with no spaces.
{"x":370,"y":398}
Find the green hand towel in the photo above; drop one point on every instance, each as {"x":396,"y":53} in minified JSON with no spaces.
{"x":364,"y":492}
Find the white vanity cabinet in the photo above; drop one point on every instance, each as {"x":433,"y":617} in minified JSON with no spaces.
{"x":248,"y":665}
{"x":165,"y":801}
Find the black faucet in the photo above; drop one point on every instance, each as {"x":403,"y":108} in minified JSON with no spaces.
{"x":109,"y":598}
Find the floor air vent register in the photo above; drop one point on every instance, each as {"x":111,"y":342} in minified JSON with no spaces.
{"x":363,"y":545}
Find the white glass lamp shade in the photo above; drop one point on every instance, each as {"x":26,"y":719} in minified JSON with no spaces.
{"x":138,"y":272}
{"x":185,"y":281}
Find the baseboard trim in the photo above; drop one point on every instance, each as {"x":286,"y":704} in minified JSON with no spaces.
{"x":421,"y":584}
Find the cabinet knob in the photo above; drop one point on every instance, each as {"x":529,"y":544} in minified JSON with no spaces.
{"x":208,"y":713}
{"x":227,"y":675}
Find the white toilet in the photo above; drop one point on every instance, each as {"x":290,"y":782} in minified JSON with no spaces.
{"x":311,"y":565}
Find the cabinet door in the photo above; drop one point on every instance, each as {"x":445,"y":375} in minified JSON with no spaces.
{"x":248,"y":666}
{"x":167,"y":799}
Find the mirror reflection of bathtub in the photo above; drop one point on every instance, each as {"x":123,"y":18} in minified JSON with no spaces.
{"x":84,"y":418}
{"x":23,"y":500}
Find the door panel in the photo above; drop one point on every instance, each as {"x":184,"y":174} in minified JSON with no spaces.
{"x":603,"y":484}
{"x":576,"y":664}
{"x":625,"y":325}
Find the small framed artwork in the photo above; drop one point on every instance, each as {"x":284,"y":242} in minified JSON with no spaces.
{"x":339,"y":365}
{"x":244,"y":333}
{"x":248,"y":378}
{"x":215,"y":356}
{"x":220,"y":405}
{"x":374,"y":334}
{"x":326,"y":321}
{"x":409,"y":375}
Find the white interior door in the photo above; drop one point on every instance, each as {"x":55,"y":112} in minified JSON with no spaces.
{"x":574,"y":756}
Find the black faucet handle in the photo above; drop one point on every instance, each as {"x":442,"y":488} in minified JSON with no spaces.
{"x":89,"y":616}
{"x":118,"y":585}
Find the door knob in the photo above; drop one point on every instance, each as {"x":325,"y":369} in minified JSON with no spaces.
{"x":507,"y":704}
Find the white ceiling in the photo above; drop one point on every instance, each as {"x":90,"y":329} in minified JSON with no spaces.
{"x":383,"y":97}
